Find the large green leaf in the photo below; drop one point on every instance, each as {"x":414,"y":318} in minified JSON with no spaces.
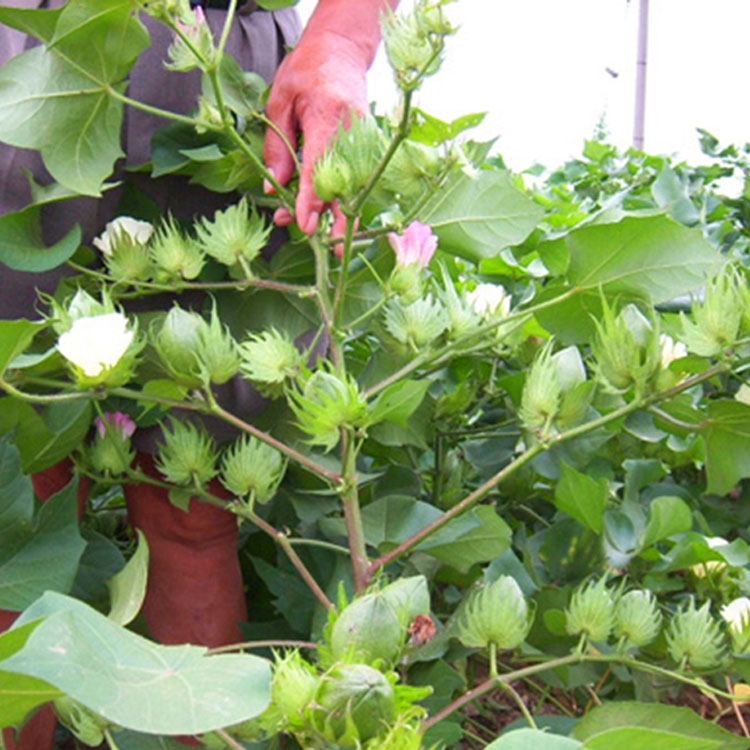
{"x":650,"y":256}
{"x":626,"y":725}
{"x":128,"y":587}
{"x":582,"y":497}
{"x":727,"y":445}
{"x":22,"y":247}
{"x":19,"y":694}
{"x":15,"y":337}
{"x":533,"y":739}
{"x":46,"y":437}
{"x":133,"y":682}
{"x":36,"y":553}
{"x":398,"y":401}
{"x":476,"y":216}
{"x":666,"y":516}
{"x":57,"y":99}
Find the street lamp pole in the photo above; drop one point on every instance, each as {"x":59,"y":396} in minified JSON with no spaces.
{"x":640,"y":76}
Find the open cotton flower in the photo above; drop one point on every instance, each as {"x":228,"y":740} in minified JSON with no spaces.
{"x":96,"y":344}
{"x":489,"y":300}
{"x":737,"y":616}
{"x":123,"y":227}
{"x":671,"y":350}
{"x":416,"y":245}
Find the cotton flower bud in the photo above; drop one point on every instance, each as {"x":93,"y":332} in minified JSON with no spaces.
{"x":177,"y":342}
{"x":716,"y":321}
{"x":637,"y":618}
{"x":217,"y":353}
{"x":111,"y":453}
{"x":175,"y":256}
{"x":101,"y":350}
{"x":412,"y":50}
{"x":591,"y":611}
{"x":368,"y":630}
{"x":86,"y":725}
{"x":187,"y":455}
{"x":695,"y":638}
{"x":130,"y":262}
{"x":270,"y":359}
{"x":410,"y":171}
{"x":737,"y":616}
{"x":293,"y":687}
{"x":670,"y":351}
{"x":542,"y":392}
{"x":417,"y":325}
{"x":236,"y":235}
{"x":462,"y":318}
{"x":249,"y":467}
{"x":496,"y":613}
{"x":180,"y":56}
{"x":166,"y":10}
{"x":332,"y":177}
{"x":353,"y":704}
{"x":432,"y":19}
{"x":415,"y":246}
{"x":626,"y":349}
{"x":326,"y":404}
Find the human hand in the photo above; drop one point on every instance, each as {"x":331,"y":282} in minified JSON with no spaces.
{"x":320,"y":85}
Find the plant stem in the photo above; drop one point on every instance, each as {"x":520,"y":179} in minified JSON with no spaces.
{"x":110,"y":740}
{"x":502,"y":680}
{"x":295,"y":455}
{"x":352,"y":513}
{"x":158,"y":112}
{"x":281,"y":539}
{"x":521,"y":705}
{"x":401,"y":132}
{"x":474,"y":497}
{"x":319,"y":543}
{"x":338,"y":300}
{"x":35,"y":398}
{"x":247,"y":645}
{"x":221,"y":46}
{"x":230,"y":741}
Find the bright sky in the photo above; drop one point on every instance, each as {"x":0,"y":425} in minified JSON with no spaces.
{"x":539,"y":68}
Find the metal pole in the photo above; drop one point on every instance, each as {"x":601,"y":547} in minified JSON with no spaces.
{"x":640,"y":76}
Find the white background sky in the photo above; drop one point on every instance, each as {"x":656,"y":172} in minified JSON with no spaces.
{"x":538,"y":67}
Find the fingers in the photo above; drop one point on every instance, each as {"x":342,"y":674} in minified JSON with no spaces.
{"x":277,"y":153}
{"x":338,"y":229}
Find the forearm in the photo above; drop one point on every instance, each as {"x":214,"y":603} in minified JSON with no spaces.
{"x":355,"y":20}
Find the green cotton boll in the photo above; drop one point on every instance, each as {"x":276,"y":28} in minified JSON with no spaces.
{"x":637,"y":618}
{"x":327,"y":404}
{"x":293,"y":687}
{"x":418,"y":324}
{"x":129,"y":261}
{"x":251,"y":467}
{"x":353,"y":704}
{"x":368,"y":630}
{"x":716,"y":322}
{"x":217,"y":353}
{"x":540,"y":400}
{"x":626,"y":349}
{"x":111,"y":455}
{"x":361,"y":146}
{"x":177,"y":341}
{"x":235,"y":234}
{"x":187,"y":455}
{"x":591,"y":611}
{"x":409,"y":49}
{"x":495,"y":614}
{"x":174,"y":255}
{"x":332,"y":177}
{"x":694,"y":637}
{"x":411,"y":169}
{"x":461,"y":316}
{"x":269,"y":360}
{"x":86,"y":725}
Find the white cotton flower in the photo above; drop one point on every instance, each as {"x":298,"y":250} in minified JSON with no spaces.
{"x":737,"y":613}
{"x":489,"y":300}
{"x":671,"y":350}
{"x":97,"y":343}
{"x":138,"y":232}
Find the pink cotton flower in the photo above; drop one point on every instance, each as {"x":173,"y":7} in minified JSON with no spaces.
{"x":122,"y":425}
{"x":416,"y":245}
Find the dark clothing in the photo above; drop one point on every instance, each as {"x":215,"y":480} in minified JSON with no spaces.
{"x":257,"y":41}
